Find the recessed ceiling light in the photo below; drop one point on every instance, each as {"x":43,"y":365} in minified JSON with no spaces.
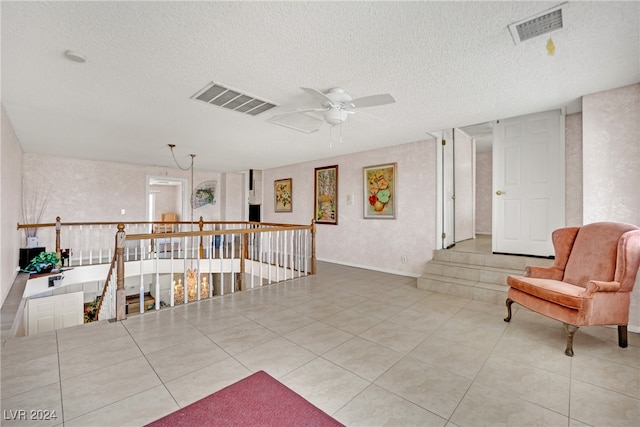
{"x":75,"y":57}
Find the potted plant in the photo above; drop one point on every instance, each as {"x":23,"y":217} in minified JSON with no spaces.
{"x":43,"y":263}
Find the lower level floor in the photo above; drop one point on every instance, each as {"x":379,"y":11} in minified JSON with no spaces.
{"x":368,"y":348}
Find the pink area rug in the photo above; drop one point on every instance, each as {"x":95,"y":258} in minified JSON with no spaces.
{"x":258,"y":400}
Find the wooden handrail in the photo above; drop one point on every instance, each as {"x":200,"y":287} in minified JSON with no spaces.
{"x":215,"y":232}
{"x":106,"y":284}
{"x":53,"y":224}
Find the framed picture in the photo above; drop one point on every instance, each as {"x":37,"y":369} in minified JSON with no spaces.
{"x":380,"y":191}
{"x":282,"y":189}
{"x":326,"y":195}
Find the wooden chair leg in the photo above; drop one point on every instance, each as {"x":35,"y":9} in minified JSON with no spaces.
{"x":622,"y":336}
{"x":509,"y":301}
{"x":570,"y":330}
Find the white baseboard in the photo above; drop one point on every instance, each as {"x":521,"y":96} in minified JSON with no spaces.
{"x":367,"y":267}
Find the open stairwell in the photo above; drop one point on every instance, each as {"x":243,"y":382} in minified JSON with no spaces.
{"x":470,"y":270}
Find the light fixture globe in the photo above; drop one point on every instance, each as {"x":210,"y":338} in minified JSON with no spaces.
{"x":335,"y":116}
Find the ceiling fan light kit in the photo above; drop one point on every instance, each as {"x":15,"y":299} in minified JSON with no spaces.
{"x":335,"y":116}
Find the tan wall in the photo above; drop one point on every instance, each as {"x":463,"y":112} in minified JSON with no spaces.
{"x":573,"y":170}
{"x":611,"y":155}
{"x":10,"y":206}
{"x":370,"y":243}
{"x":611,"y":149}
{"x":484,"y":193}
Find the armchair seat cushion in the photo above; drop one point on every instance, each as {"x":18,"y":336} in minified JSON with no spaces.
{"x":555,"y":291}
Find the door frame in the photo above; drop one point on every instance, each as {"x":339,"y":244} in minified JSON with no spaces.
{"x":444,"y":227}
{"x":185,"y":194}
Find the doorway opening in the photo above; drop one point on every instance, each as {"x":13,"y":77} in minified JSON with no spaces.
{"x":166,"y":196}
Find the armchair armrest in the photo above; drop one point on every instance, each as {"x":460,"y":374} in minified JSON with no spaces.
{"x":543,"y":272}
{"x":597,"y":286}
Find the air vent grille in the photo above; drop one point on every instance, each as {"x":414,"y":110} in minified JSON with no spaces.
{"x":543,"y":23}
{"x":232,"y":99}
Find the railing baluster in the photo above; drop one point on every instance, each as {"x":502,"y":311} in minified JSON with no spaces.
{"x":157,"y":297}
{"x":260,"y":237}
{"x":141,"y":280}
{"x":251,"y":248}
{"x":185,"y":290}
{"x":221,"y":258}
{"x":209,"y":242}
{"x":90,"y":238}
{"x":172,"y":283}
{"x":80,"y":230}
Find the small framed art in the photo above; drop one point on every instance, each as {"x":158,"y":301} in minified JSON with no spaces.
{"x":283,"y":193}
{"x":326,"y":195}
{"x":379,"y":186}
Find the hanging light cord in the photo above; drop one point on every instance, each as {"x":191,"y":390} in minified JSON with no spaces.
{"x":172,"y":146}
{"x":190,"y":167}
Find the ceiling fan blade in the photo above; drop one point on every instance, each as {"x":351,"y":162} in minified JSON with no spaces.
{"x":299,"y":120}
{"x":317,"y":94}
{"x":372,"y":101}
{"x":308,"y":110}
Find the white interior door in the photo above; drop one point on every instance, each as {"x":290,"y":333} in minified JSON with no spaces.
{"x":528,"y":183}
{"x":464,"y":165}
{"x":55,"y":312}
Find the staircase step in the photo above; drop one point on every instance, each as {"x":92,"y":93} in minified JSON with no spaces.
{"x":133,"y":302}
{"x":480,"y":291}
{"x":490,"y":260}
{"x":471,"y":272}
{"x":477,"y":276}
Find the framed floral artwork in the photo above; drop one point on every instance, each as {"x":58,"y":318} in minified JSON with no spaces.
{"x":326,"y":195}
{"x":380,"y":199}
{"x":283,"y":191}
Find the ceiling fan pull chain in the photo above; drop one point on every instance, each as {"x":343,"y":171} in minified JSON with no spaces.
{"x":330,"y":137}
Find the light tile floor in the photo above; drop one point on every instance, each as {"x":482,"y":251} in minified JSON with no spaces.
{"x":368,"y":348}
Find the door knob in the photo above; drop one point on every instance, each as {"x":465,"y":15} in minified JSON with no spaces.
{"x":500,"y":193}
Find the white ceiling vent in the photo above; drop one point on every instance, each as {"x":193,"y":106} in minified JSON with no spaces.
{"x":543,"y":23}
{"x":217,"y":94}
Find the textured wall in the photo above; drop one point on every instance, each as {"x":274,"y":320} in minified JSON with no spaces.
{"x":611,"y":149}
{"x":85,"y":190}
{"x":167,"y":200}
{"x":611,"y":155}
{"x":573,"y":170}
{"x":10,"y":206}
{"x":484,"y":192}
{"x":232,"y":197}
{"x":369,"y":243}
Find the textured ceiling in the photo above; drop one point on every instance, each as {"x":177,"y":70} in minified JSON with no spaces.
{"x":447,"y":64}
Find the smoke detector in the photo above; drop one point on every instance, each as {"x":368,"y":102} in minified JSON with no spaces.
{"x":546,"y":22}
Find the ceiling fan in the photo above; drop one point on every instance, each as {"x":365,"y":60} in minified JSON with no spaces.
{"x":335,"y":106}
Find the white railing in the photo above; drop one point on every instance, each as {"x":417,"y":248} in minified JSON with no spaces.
{"x":184,"y":266}
{"x":223,"y":258}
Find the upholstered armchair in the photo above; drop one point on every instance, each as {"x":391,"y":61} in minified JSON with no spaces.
{"x":166,"y":228}
{"x":590,"y":281}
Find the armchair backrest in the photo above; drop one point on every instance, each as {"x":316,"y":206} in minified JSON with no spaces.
{"x":599,"y":253}
{"x":170,"y":217}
